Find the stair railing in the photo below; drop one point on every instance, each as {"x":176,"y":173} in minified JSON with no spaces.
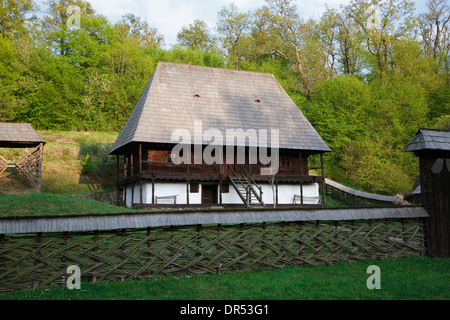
{"x":236,"y":187}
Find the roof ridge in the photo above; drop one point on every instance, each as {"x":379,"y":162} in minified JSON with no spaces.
{"x":216,"y":68}
{"x":432,"y":129}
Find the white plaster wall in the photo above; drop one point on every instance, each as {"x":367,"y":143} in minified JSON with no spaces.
{"x":286,"y":193}
{"x":196,"y":198}
{"x":161,"y":189}
{"x":231,"y":197}
{"x":310,"y":193}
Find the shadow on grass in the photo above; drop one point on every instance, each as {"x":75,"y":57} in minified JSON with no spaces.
{"x":98,"y":169}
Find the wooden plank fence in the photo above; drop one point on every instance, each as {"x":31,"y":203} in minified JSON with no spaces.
{"x":36,"y":252}
{"x":353,"y":197}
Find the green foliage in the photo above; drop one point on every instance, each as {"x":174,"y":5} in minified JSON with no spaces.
{"x":367,"y":126}
{"x":14,"y":17}
{"x":87,"y":165}
{"x":196,"y":35}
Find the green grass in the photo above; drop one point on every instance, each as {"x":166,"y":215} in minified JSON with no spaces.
{"x":43,"y":204}
{"x":403,"y":279}
{"x":35,"y":204}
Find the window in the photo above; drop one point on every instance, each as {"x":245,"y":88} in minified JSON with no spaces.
{"x":286,"y":163}
{"x":193,"y":187}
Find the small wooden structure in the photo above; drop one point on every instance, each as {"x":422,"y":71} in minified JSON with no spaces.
{"x":433,"y":149}
{"x":22,"y":135}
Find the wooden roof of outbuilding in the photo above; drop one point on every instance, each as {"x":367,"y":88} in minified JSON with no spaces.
{"x":19,"y":135}
{"x":429,"y":139}
{"x":178,"y":95}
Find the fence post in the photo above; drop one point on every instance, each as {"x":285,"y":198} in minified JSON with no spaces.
{"x":36,"y":261}
{"x":123,"y":235}
{"x":94,"y":272}
{"x":63,"y":258}
{"x":199,"y":239}
{"x":300,"y":251}
{"x":2,"y":258}
{"x":149,"y":245}
{"x":219,"y":229}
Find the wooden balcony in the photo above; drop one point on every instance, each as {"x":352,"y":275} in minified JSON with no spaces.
{"x":166,"y":171}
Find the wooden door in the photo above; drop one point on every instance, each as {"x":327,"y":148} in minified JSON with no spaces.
{"x":209,"y":193}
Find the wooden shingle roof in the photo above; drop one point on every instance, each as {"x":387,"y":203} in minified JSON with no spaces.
{"x":18,"y":135}
{"x":178,"y":95}
{"x":428,"y":139}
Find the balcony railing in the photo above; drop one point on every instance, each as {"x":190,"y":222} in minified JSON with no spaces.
{"x":168,"y":170}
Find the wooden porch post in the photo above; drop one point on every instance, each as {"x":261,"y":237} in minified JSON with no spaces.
{"x":300,"y":175}
{"x":276,"y":192}
{"x":153,"y":190}
{"x":140,"y":174}
{"x":187,"y":191}
{"x":132,"y":177}
{"x":220,"y":190}
{"x":301,"y":192}
{"x":117,"y":179}
{"x":125,"y":180}
{"x":323,"y":179}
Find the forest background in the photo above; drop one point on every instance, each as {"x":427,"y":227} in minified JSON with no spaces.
{"x":367,"y":75}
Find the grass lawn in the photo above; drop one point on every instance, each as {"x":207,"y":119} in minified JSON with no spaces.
{"x":35,"y":204}
{"x":402,"y":279}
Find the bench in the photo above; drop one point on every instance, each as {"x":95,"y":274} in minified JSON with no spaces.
{"x":306,"y":200}
{"x":171,"y":199}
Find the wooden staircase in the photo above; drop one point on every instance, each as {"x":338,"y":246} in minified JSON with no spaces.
{"x":245,"y":187}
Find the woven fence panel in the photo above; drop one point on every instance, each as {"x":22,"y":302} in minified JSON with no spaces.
{"x":29,"y":261}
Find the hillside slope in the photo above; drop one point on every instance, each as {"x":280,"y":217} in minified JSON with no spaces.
{"x":74,"y":163}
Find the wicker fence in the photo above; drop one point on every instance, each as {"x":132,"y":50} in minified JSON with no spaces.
{"x":30,"y":260}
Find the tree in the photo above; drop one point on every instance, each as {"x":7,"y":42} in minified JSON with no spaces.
{"x":344,"y":39}
{"x":55,"y":22}
{"x":434,"y":28}
{"x":13,"y":17}
{"x":197,"y":35}
{"x":233,"y":27}
{"x":137,"y":29}
{"x":408,"y":62}
{"x":296,"y":41}
{"x":383,"y":24}
{"x":87,"y":44}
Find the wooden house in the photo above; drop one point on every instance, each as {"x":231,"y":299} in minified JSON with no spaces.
{"x":197,"y":108}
